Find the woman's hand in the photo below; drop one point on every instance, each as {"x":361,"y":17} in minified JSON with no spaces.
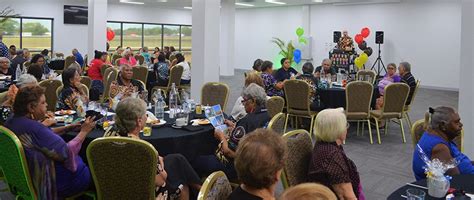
{"x":48,"y":122}
{"x":219,"y":135}
{"x":88,"y":125}
{"x":162,"y":196}
{"x":279,"y":85}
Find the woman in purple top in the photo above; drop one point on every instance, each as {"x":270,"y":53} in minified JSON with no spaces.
{"x":390,"y":77}
{"x":55,"y":167}
{"x":272,"y":87}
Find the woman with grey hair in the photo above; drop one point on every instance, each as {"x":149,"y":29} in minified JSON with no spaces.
{"x":174,"y":175}
{"x":127,"y":58}
{"x":254,"y":98}
{"x":5,"y":69}
{"x":437,"y":142}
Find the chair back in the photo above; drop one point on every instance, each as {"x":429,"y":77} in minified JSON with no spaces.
{"x":110,"y":76}
{"x":84,"y":89}
{"x":175,"y":76}
{"x":414,"y":94}
{"x":85,"y":60}
{"x":366,"y":75}
{"x":103,"y":68}
{"x":26,"y":65}
{"x":14,"y":165}
{"x":86,"y":81}
{"x":50,"y":87}
{"x":213,"y":93}
{"x":68,"y":61}
{"x":115,"y":57}
{"x":140,"y":73}
{"x":395,"y":97}
{"x":459,"y":141}
{"x":359,"y":97}
{"x":275,"y":105}
{"x":300,"y":149}
{"x":215,"y":187}
{"x":117,"y":62}
{"x":417,"y":130}
{"x":277,"y":123}
{"x":297,"y":93}
{"x":123,"y":168}
{"x":140,"y":59}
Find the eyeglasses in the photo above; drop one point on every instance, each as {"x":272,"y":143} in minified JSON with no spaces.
{"x":244,"y":100}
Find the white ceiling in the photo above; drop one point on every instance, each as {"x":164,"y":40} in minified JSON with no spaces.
{"x":180,"y":4}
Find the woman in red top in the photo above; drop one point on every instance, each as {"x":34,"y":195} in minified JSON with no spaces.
{"x":94,"y":70}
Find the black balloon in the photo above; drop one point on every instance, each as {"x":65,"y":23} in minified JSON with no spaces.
{"x":368,"y":51}
{"x":363,"y":45}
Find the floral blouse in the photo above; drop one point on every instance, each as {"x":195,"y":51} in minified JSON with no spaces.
{"x":269,"y":82}
{"x":69,"y":98}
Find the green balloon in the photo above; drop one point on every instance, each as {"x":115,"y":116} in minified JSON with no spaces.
{"x":302,"y":40}
{"x":299,"y":31}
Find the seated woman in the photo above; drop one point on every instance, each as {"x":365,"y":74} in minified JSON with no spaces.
{"x":125,"y":85}
{"x":437,"y":142}
{"x":389,"y":78}
{"x":272,"y":87}
{"x":259,"y":161}
{"x":254,"y":102}
{"x":256,"y":68}
{"x":40,"y":61}
{"x":308,"y":191}
{"x":186,"y":77}
{"x":127,"y":58}
{"x":161,"y":70}
{"x":71,"y":97}
{"x":329,"y":164}
{"x":5,"y":69}
{"x":313,"y":83}
{"x":94,"y":70}
{"x":174,"y":170}
{"x":238,"y":111}
{"x":36,"y":71}
{"x":47,"y":154}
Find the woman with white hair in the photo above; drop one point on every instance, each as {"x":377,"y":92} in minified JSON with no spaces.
{"x":5,"y":69}
{"x":127,"y":58}
{"x":329,"y":164}
{"x":254,"y":98}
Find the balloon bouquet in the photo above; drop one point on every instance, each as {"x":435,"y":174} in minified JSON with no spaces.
{"x":359,"y":39}
{"x":287,"y":50}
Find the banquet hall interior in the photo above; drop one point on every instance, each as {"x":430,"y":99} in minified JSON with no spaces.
{"x":401,"y":72}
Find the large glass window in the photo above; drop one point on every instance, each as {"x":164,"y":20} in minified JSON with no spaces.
{"x":171,"y":36}
{"x":11,"y":29}
{"x":186,"y":42}
{"x":152,"y":36}
{"x":36,"y":34}
{"x":132,"y":36}
{"x":117,"y":41}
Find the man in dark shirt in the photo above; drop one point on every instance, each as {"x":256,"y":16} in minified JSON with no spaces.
{"x":405,"y":72}
{"x":326,"y":65}
{"x":286,"y":71}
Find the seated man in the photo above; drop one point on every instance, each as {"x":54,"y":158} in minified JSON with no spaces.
{"x":125,"y":84}
{"x":326,"y":65}
{"x":286,"y":71}
{"x":404,"y":69}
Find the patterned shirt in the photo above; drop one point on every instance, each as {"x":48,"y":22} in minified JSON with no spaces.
{"x":126,"y":90}
{"x":313,"y":84}
{"x":269,"y":82}
{"x":162,"y":70}
{"x":4,"y":50}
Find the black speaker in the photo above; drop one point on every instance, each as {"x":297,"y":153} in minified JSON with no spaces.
{"x":379,"y":37}
{"x":336,"y":36}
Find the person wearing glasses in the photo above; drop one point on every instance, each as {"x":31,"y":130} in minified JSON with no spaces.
{"x":329,"y":164}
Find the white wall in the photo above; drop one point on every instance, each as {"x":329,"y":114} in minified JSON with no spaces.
{"x":424,"y":33}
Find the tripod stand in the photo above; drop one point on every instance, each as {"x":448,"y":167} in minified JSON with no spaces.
{"x":378,"y":62}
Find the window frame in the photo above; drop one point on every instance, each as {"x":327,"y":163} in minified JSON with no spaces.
{"x":39,"y":18}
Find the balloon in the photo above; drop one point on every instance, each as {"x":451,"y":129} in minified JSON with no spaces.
{"x":359,"y":38}
{"x":365,"y":32}
{"x":299,"y":31}
{"x":297,"y":59}
{"x":363,"y":45}
{"x":297,"y":55}
{"x":302,"y":40}
{"x":358,"y":63}
{"x":368,"y":51}
{"x":364,"y":58}
{"x":110,"y":34}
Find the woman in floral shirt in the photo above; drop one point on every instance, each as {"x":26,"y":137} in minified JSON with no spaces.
{"x":272,"y":87}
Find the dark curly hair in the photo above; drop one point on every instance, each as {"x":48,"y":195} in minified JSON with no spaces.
{"x":26,"y":96}
{"x":36,"y":70}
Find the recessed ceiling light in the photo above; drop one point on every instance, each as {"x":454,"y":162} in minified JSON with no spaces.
{"x":162,"y":1}
{"x":244,"y":4}
{"x":275,"y":2}
{"x":132,"y":2}
{"x":187,"y":7}
{"x":318,"y":1}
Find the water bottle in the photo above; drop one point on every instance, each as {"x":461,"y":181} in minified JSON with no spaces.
{"x":18,"y":72}
{"x":173,"y":104}
{"x":159,"y":106}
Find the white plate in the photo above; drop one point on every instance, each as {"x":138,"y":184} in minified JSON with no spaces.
{"x":70,"y":112}
{"x":162,"y":122}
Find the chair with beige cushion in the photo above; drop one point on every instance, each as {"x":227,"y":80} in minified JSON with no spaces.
{"x":297,"y":94}
{"x":123,"y":168}
{"x":103,"y":68}
{"x":140,"y":73}
{"x":213,"y":93}
{"x":277,"y":123}
{"x":215,"y":187}
{"x":394,"y":101}
{"x":115,"y":57}
{"x":407,"y":108}
{"x":358,"y":99}
{"x":111,"y":75}
{"x":300,"y":147}
{"x":86,"y":81}
{"x":175,"y":77}
{"x":68,"y":61}
{"x":84,"y":89}
{"x":275,"y":105}
{"x":140,"y":59}
{"x":364,"y":74}
{"x":50,"y":87}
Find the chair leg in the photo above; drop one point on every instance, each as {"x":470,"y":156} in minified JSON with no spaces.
{"x":358,"y":124}
{"x":363,"y":129}
{"x":403,"y":131}
{"x":387,"y":121}
{"x":370,"y":132}
{"x":408,"y":119}
{"x":286,"y":122}
{"x":311,"y":128}
{"x":378,"y":130}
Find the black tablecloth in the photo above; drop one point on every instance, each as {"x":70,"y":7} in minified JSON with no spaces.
{"x":336,"y":97}
{"x":168,"y":140}
{"x":464,"y":182}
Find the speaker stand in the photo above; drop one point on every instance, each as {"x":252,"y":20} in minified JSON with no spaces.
{"x":377,"y":62}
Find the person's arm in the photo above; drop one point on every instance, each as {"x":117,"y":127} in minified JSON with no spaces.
{"x":344,"y":191}
{"x":75,"y":144}
{"x":161,"y":174}
{"x":442,"y":152}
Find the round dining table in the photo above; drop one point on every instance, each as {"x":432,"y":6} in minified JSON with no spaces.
{"x":190,"y":141}
{"x":335,"y":97}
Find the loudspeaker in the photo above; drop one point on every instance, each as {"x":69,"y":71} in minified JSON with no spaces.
{"x":379,"y":37}
{"x":336,"y":36}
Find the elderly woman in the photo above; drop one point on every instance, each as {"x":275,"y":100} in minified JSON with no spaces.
{"x":272,"y":87}
{"x":7,"y":98}
{"x":253,"y":99}
{"x":5,"y":69}
{"x":308,"y":191}
{"x":125,"y":85}
{"x":437,"y":142}
{"x":259,"y":162}
{"x":127,"y":58}
{"x":47,"y":154}
{"x":329,"y":164}
{"x":71,"y":96}
{"x":174,"y":170}
{"x":313,"y":83}
{"x":238,"y":111}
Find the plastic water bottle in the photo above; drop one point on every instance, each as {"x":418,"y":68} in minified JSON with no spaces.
{"x":159,"y":106}
{"x":173,"y":104}
{"x":18,"y":72}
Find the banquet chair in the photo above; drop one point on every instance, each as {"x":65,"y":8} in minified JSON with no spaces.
{"x":50,"y":87}
{"x":85,"y":61}
{"x":117,"y":62}
{"x":407,"y":107}
{"x":140,"y":73}
{"x":277,"y":123}
{"x":68,"y":61}
{"x":364,"y":74}
{"x":215,"y":187}
{"x":123,"y":168}
{"x":358,"y":99}
{"x":86,"y":80}
{"x":297,"y":93}
{"x":110,"y":76}
{"x":213,"y":93}
{"x":418,"y":128}
{"x":26,"y":65}
{"x":103,"y":68}
{"x":175,"y":77}
{"x":83,"y":89}
{"x":140,"y":59}
{"x":275,"y":105}
{"x":395,"y":97}
{"x":300,"y":147}
{"x":115,"y":58}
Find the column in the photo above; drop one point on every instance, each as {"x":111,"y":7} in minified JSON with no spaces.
{"x":97,"y":26}
{"x":206,"y":54}
{"x":306,"y":25}
{"x":466,"y":91}
{"x":227,"y":41}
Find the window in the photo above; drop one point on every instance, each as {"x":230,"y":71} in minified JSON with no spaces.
{"x":171,"y":36}
{"x":32,"y":33}
{"x":11,"y":29}
{"x":152,"y":36}
{"x":116,"y":27}
{"x":132,"y":36}
{"x":186,"y":42}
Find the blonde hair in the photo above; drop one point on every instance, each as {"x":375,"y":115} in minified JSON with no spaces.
{"x":330,"y":124}
{"x":253,"y":77}
{"x":308,"y":191}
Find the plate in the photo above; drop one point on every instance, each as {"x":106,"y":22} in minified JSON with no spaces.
{"x":201,"y":121}
{"x":161,"y":123}
{"x":178,"y":127}
{"x":65,"y":112}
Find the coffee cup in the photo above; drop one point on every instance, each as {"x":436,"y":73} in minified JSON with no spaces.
{"x":181,"y":122}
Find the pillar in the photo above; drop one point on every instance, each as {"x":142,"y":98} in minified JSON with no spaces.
{"x":97,"y":26}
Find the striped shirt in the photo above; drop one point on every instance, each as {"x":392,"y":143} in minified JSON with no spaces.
{"x":411,"y":82}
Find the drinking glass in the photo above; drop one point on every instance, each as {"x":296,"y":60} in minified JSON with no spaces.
{"x":147,"y":130}
{"x":415,"y":194}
